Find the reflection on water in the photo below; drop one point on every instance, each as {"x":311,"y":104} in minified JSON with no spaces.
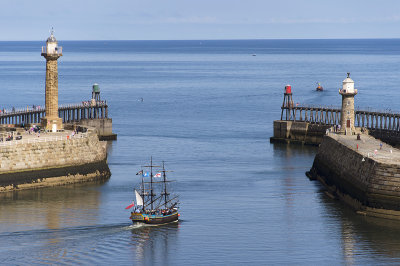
{"x":293,"y":150}
{"x":50,"y":208}
{"x":364,"y":234}
{"x":154,"y":244}
{"x":349,"y":242}
{"x":290,"y":156}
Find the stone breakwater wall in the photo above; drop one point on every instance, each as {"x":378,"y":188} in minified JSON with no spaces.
{"x":103,"y":126}
{"x":313,"y":133}
{"x":298,"y":132}
{"x":371,"y":185}
{"x":53,"y":162}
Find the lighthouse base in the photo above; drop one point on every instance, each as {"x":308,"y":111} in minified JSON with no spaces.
{"x":52,"y":123}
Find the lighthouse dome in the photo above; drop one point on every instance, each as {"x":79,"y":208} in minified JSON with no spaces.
{"x":51,"y":38}
{"x":348,"y":85}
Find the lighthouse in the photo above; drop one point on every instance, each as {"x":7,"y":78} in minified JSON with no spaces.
{"x":51,"y":52}
{"x":347,"y":114}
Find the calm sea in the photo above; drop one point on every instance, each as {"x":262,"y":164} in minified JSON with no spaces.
{"x":207,"y":111}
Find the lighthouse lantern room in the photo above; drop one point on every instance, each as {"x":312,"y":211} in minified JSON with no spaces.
{"x":347,"y":113}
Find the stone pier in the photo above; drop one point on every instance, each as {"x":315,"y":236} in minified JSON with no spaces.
{"x":42,"y":160}
{"x":363,"y":173}
{"x":298,"y":132}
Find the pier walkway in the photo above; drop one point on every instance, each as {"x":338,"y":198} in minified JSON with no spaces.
{"x":331,"y":116}
{"x":25,"y":137}
{"x":68,"y":113}
{"x":370,"y":147}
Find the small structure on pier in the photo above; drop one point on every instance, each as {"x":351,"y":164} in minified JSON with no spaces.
{"x":51,"y":52}
{"x":287,"y":105}
{"x":347,"y":114}
{"x":96,"y":93}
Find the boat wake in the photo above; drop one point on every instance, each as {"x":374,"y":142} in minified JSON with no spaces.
{"x":135,"y":226}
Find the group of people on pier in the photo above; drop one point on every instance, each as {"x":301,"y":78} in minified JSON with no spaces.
{"x":337,"y":128}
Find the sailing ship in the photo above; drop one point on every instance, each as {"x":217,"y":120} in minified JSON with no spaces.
{"x":152,"y":207}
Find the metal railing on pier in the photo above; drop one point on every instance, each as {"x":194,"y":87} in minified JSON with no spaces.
{"x":67,"y":112}
{"x":331,"y":116}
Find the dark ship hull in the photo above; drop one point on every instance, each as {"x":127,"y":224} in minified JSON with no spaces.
{"x":154,"y":218}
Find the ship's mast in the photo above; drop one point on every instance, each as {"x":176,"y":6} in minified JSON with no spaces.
{"x":165,"y":185}
{"x":151,"y":181}
{"x":143,"y":191}
{"x":151,"y":166}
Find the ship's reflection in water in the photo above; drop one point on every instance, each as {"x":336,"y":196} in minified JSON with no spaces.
{"x":153,"y":244}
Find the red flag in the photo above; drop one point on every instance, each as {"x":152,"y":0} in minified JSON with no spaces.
{"x":130,"y":206}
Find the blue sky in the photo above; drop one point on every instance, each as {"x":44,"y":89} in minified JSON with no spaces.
{"x":198,"y":19}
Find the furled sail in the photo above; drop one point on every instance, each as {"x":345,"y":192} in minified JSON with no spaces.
{"x":139,"y":199}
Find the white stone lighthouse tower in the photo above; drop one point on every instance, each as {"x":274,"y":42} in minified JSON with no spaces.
{"x":51,"y":52}
{"x":347,"y":114}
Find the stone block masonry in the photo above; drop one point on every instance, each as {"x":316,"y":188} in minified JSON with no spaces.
{"x":103,"y":126}
{"x":298,"y":132}
{"x":55,"y":162}
{"x":51,"y":88}
{"x":361,"y":173}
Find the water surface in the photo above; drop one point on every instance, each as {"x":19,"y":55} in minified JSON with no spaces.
{"x":207,"y":110}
